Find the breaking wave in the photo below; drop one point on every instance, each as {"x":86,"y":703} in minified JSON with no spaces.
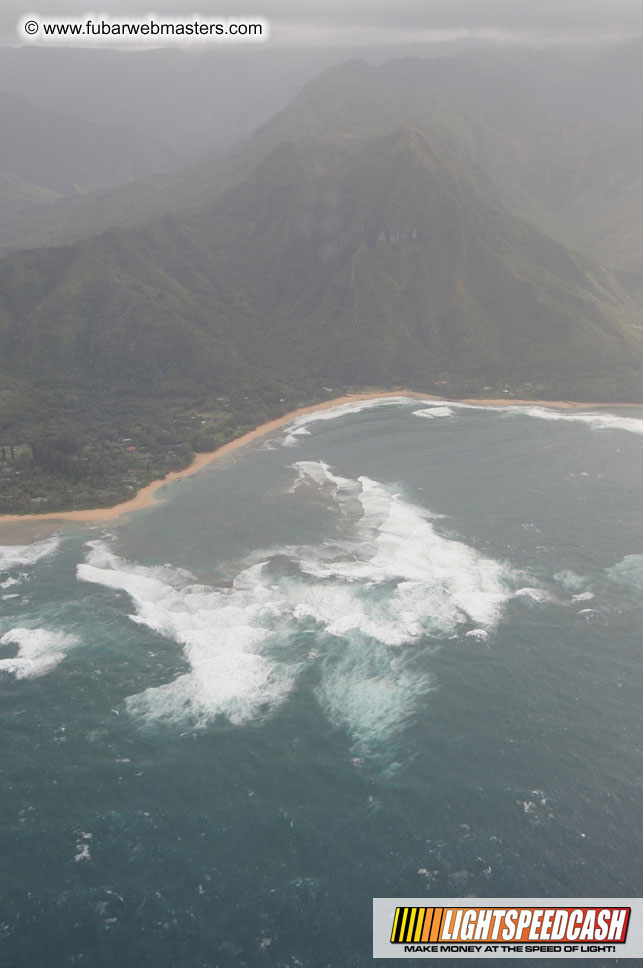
{"x":433,"y":409}
{"x":292,"y":439}
{"x":223,"y":632}
{"x":431,"y":412}
{"x":426,"y":584}
{"x":598,"y":421}
{"x":15,"y":556}
{"x":299,"y":426}
{"x":361,"y":613}
{"x":39,"y":651}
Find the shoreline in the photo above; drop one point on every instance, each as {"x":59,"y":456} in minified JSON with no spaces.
{"x":145,"y":497}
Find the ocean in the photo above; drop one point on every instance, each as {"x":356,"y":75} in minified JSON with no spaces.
{"x":393,"y":649}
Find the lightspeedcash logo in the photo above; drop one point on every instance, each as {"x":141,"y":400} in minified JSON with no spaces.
{"x":455,"y":925}
{"x":509,"y":928}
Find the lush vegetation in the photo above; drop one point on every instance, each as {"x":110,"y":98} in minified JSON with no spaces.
{"x":81,"y":448}
{"x":363,"y":244}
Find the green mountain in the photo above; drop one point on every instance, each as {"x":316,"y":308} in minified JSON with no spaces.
{"x":580,"y":183}
{"x":577,"y":179}
{"x":391,"y":265}
{"x":383,"y":264}
{"x":369,"y":237}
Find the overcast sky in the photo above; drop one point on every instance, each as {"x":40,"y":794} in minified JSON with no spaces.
{"x":357,"y":22}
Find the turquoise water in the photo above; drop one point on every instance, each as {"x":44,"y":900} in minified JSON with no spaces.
{"x":394,"y":650}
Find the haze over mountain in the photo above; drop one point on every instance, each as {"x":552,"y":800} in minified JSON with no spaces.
{"x":554,"y":161}
{"x":80,"y":156}
{"x":195,"y":102}
{"x":412,"y":223}
{"x":369,"y":244}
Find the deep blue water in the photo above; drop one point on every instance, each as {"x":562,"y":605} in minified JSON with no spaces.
{"x":389,"y":654}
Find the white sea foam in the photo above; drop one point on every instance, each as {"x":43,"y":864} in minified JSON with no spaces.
{"x":570,"y":581}
{"x":426,"y":583}
{"x":82,"y":848}
{"x":39,"y":651}
{"x":597,"y":421}
{"x":332,"y":413}
{"x":299,"y":425}
{"x":538,"y":595}
{"x":590,"y":614}
{"x":433,"y":409}
{"x":369,"y":692}
{"x":628,"y":572}
{"x":13,"y":556}
{"x":292,"y":439}
{"x":431,"y":412}
{"x":390,"y":581}
{"x":222,"y":632}
{"x":319,"y":474}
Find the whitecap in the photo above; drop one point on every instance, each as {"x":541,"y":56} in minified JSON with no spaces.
{"x":292,"y":439}
{"x":13,"y":556}
{"x":370,"y":693}
{"x":432,"y":408}
{"x":591,"y":615}
{"x":221,"y":630}
{"x":425,"y":583}
{"x":300,"y":424}
{"x":432,"y":412}
{"x":39,"y":651}
{"x":570,"y":580}
{"x":82,"y":848}
{"x":597,"y":421}
{"x":538,"y":595}
{"x":389,"y":583}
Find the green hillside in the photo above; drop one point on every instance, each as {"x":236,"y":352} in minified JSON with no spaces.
{"x":578,"y":179}
{"x":379,"y":253}
{"x":383,"y":265}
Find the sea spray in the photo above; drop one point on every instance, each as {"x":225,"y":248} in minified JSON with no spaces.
{"x":367,"y":599}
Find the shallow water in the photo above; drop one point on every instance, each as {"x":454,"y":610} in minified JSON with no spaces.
{"x":392,"y":650}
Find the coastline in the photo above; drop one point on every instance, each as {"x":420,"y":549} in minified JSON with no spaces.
{"x":145,"y":496}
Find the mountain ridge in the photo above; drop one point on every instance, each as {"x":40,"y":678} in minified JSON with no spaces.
{"x":325,"y":255}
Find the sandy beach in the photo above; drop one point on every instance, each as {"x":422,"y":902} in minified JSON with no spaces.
{"x":24,"y":528}
{"x":145,"y":496}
